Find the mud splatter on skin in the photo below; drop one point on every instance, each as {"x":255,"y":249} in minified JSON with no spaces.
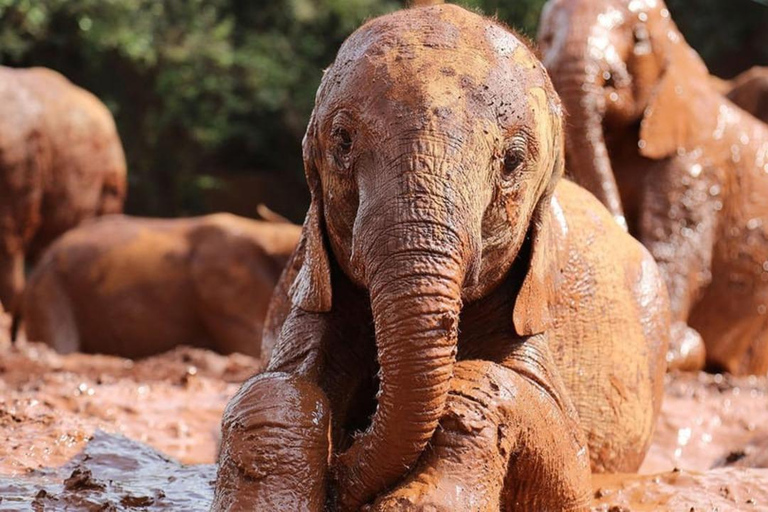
{"x":440,"y":249}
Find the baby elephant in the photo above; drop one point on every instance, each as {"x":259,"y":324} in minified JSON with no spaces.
{"x":457,"y":329}
{"x":133,"y":287}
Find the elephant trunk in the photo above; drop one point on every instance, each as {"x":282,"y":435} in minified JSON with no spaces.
{"x":588,"y":160}
{"x":415,"y":287}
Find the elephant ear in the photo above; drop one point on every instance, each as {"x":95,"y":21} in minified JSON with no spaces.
{"x":672,"y":120}
{"x":311,"y":289}
{"x":531,"y":313}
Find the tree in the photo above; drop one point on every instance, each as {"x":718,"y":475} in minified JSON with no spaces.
{"x":202,"y":85}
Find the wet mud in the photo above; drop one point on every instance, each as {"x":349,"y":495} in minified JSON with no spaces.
{"x":51,"y":405}
{"x":83,"y":432}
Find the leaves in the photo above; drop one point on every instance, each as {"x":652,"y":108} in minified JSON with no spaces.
{"x":202,"y":85}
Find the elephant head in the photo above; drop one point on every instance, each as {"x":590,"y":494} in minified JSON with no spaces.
{"x":617,"y":64}
{"x":435,"y":143}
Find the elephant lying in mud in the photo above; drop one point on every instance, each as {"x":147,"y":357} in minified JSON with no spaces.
{"x":646,"y":120}
{"x":61,"y":162}
{"x":134,"y":287}
{"x":457,"y":329}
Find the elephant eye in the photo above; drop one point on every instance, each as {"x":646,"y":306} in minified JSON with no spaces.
{"x":342,"y":140}
{"x":514,"y":157}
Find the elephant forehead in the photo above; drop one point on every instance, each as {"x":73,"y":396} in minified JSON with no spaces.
{"x":444,"y":59}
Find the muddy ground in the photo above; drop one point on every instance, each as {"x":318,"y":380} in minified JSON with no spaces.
{"x":102,"y":433}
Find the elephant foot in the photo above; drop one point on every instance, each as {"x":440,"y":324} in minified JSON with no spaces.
{"x":275,"y":446}
{"x":502,"y":444}
{"x":686,"y":349}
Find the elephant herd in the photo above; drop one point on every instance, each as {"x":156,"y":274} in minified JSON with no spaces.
{"x":455,"y":326}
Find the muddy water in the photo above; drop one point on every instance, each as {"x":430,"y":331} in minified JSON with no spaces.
{"x":112,"y":473}
{"x":101,"y":433}
{"x":707,"y":421}
{"x":50,"y":405}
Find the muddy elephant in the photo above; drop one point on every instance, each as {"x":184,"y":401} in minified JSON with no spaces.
{"x":134,"y":287}
{"x":749,"y":90}
{"x":61,"y":162}
{"x":457,"y":329}
{"x":692,"y":168}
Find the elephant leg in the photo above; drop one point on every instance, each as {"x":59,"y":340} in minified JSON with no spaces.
{"x":47,"y":312}
{"x":232,"y":334}
{"x":503,"y":444}
{"x":678,"y":224}
{"x":686,"y":350}
{"x":11,"y":280}
{"x":275,"y":446}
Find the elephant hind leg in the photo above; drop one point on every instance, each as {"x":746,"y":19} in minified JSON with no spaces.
{"x":47,"y":312}
{"x":11,"y":280}
{"x":275,"y":446}
{"x":502,"y":444}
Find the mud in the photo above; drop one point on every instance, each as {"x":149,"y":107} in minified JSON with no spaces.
{"x":51,"y":405}
{"x":112,"y":473}
{"x":102,"y":433}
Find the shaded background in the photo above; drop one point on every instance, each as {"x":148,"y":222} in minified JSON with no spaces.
{"x":211,"y":97}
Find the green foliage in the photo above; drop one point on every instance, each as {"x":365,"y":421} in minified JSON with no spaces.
{"x":199,"y":86}
{"x":195,"y":85}
{"x":522,"y":15}
{"x":731,"y":36}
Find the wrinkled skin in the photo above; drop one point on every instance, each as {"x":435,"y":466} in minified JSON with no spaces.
{"x":749,"y":90}
{"x":451,"y":311}
{"x":61,"y":162}
{"x":134,"y":287}
{"x":692,"y":169}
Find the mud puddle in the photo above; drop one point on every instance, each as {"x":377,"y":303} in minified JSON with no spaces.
{"x":112,"y":473}
{"x":50,"y":405}
{"x":99,"y":433}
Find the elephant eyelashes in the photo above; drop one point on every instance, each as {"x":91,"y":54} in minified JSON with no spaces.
{"x":514,"y":157}
{"x":342,"y":150}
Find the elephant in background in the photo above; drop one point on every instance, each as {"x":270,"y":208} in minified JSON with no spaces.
{"x":457,"y":328}
{"x":134,"y":287}
{"x":647,"y":122}
{"x":61,"y":162}
{"x":749,"y":90}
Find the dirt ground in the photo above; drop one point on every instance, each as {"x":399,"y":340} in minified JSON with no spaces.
{"x":101,"y":433}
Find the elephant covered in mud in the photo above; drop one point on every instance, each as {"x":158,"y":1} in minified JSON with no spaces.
{"x":61,"y":161}
{"x":749,"y":90}
{"x":134,"y":287}
{"x":647,"y":122}
{"x":458,"y":328}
